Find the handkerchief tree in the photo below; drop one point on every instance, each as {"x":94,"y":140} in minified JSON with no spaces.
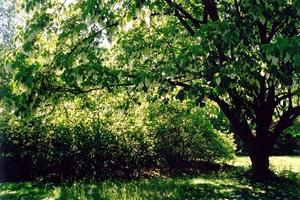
{"x":244,"y":55}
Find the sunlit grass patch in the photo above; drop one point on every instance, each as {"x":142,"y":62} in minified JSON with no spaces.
{"x":278,"y":163}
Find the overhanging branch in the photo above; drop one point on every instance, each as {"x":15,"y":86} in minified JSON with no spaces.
{"x":196,"y":23}
{"x":239,"y":125}
{"x":178,"y":83}
{"x":180,"y":17}
{"x":183,"y":22}
{"x":285,"y":121}
{"x":90,"y":37}
{"x":284,"y":96}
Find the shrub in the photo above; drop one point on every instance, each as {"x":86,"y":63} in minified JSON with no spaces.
{"x":117,"y":144}
{"x":60,"y":152}
{"x":184,"y":133}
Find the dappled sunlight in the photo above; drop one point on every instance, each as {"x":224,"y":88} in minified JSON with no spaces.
{"x":7,"y":192}
{"x":228,"y":188}
{"x":198,"y":181}
{"x":224,"y":185}
{"x":55,"y":194}
{"x":24,"y":191}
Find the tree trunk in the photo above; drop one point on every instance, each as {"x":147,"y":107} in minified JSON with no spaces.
{"x":260,"y":165}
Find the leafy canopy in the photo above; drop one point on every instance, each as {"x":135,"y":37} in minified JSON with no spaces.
{"x":244,"y":55}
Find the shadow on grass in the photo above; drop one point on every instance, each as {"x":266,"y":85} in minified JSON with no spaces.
{"x":219,"y":187}
{"x":223,"y":185}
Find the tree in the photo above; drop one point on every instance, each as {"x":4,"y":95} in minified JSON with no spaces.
{"x":243,"y":55}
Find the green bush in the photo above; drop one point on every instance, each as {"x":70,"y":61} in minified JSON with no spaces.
{"x":71,"y":152}
{"x":185,"y":133}
{"x":116,"y":144}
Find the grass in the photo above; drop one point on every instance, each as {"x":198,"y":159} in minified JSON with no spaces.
{"x":278,"y":163}
{"x":223,"y":185}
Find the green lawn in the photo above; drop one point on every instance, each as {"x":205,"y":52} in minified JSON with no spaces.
{"x":223,"y":185}
{"x":278,"y":163}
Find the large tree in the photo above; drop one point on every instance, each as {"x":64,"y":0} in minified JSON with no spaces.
{"x":242,"y":54}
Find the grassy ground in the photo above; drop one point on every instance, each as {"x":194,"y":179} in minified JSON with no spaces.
{"x":278,"y":164}
{"x":223,"y":185}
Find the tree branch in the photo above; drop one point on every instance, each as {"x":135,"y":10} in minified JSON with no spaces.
{"x":78,"y":90}
{"x":284,"y":97}
{"x":180,"y":17}
{"x":262,"y":91}
{"x":240,"y":126}
{"x":279,"y":24}
{"x":241,"y":103}
{"x":92,"y":36}
{"x":285,"y":121}
{"x":187,"y":15}
{"x":262,"y":32}
{"x":211,"y":8}
{"x":264,"y":111}
{"x":178,"y":83}
{"x":237,"y":8}
{"x":183,"y":22}
{"x":269,"y":107}
{"x":274,"y":29}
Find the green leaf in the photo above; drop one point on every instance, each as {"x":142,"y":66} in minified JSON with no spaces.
{"x":262,"y":19}
{"x":218,"y":80}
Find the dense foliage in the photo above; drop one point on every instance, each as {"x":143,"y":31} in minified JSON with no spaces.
{"x":187,"y":134}
{"x":80,"y":141}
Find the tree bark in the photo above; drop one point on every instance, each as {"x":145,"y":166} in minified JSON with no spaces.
{"x":260,"y":165}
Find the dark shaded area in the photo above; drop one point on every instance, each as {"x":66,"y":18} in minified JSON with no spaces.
{"x":17,"y":169}
{"x":286,"y":144}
